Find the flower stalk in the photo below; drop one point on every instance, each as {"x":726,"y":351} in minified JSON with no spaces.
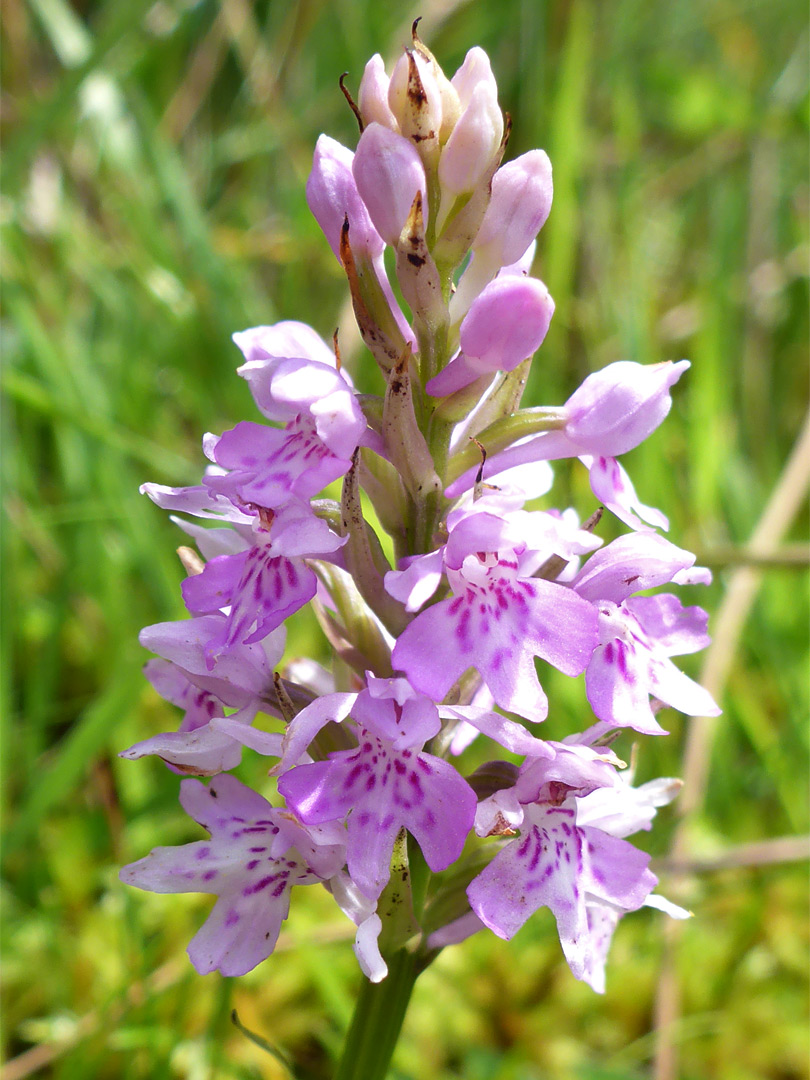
{"x":377,"y":1020}
{"x":370,"y":796}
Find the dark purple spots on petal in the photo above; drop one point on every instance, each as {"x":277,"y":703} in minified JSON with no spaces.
{"x":354,"y":775}
{"x":261,"y":884}
{"x":209,"y":875}
{"x":203,"y":852}
{"x":416,"y":784}
{"x":534,"y":861}
{"x":232,"y":918}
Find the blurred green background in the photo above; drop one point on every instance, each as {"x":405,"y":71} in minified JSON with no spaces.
{"x":155,"y":160}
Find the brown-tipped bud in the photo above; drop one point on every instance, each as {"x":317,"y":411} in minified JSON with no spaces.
{"x":451,"y":104}
{"x":372,"y":311}
{"x":404,"y":441}
{"x":417,"y":273}
{"x":415,"y":100}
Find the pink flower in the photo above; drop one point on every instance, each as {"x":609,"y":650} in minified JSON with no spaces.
{"x":255,"y":856}
{"x":504,"y":326}
{"x":265,"y":583}
{"x":388,"y":172}
{"x":612,"y":412}
{"x":499,"y":618}
{"x":575,"y":870}
{"x":385,"y":784}
{"x":637,"y":635}
{"x":205,"y":743}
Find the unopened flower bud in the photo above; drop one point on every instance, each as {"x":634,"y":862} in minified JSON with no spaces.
{"x":520,"y":203}
{"x":416,"y":102}
{"x":473,"y":143}
{"x":284,"y":339}
{"x":332,"y":197}
{"x":475,"y":70}
{"x":507,"y":322}
{"x":451,"y":105}
{"x":388,"y":172}
{"x":518,"y":208}
{"x":373,"y":95}
{"x":618,"y":407}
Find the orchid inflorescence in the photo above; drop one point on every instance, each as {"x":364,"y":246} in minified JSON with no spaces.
{"x":437,"y":641}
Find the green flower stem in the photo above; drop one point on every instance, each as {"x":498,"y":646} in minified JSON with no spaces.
{"x":502,"y":433}
{"x":377,"y":1020}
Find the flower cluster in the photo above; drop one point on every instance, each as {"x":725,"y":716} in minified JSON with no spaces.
{"x":437,"y":628}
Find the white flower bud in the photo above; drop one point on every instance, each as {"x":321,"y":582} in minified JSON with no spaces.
{"x":474,"y":142}
{"x":373,"y":95}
